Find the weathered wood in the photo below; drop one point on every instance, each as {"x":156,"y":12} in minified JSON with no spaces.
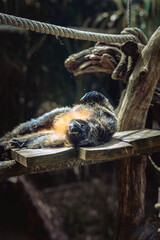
{"x":123,"y":145}
{"x":108,"y":152}
{"x":139,"y":93}
{"x":144,"y":141}
{"x":100,"y":58}
{"x":42,"y":157}
{"x":155,"y":105}
{"x":13,"y":168}
{"x":132,"y":115}
{"x":44,"y":163}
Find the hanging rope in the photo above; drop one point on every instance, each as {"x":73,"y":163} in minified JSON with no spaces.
{"x":129,"y":7}
{"x":153,"y":164}
{"x":46,"y":28}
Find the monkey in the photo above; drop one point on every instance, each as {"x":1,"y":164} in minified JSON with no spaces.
{"x":90,"y":123}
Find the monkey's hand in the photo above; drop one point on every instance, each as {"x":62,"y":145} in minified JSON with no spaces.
{"x":13,"y":143}
{"x":32,"y":141}
{"x":93,"y":97}
{"x":19,"y":143}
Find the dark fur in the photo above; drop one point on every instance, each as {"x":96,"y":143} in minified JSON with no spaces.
{"x":98,"y":129}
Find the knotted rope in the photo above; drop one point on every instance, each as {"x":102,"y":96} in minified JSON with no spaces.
{"x":46,"y":28}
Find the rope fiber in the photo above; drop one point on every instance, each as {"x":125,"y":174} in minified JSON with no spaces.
{"x":52,"y":29}
{"x":129,"y":7}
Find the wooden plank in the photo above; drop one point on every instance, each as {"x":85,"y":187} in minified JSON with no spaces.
{"x":144,"y":141}
{"x":123,"y":144}
{"x":45,"y":160}
{"x":13,"y":168}
{"x":122,"y":135}
{"x":42,"y":157}
{"x":112,"y":150}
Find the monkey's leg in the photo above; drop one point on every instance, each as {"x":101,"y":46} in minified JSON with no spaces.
{"x":19,"y":142}
{"x":38,"y":140}
{"x":43,"y":122}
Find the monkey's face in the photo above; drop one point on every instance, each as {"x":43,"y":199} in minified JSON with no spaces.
{"x":78,"y":131}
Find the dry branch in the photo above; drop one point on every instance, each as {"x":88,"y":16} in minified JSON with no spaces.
{"x":100,"y":58}
{"x":132,"y":115}
{"x":142,"y":84}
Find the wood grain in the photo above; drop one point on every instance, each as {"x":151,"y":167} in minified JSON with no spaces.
{"x":145,"y":141}
{"x":40,"y":157}
{"x":113,"y":150}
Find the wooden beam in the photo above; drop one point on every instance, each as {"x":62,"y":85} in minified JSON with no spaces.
{"x":130,"y":172}
{"x":52,"y":162}
{"x":13,"y":168}
{"x":110,"y":151}
{"x":113,"y":150}
{"x":144,"y":141}
{"x":42,"y":157}
{"x":123,"y":145}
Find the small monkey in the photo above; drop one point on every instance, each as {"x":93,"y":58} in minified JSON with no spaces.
{"x":91,"y":123}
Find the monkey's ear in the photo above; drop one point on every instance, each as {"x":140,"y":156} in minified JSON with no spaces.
{"x":94,"y":97}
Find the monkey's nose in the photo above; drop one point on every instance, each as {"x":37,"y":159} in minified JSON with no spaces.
{"x":74,"y":128}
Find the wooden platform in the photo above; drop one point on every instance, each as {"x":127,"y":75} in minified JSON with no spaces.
{"x":123,"y":144}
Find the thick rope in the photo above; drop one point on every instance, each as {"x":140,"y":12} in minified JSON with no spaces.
{"x":129,"y":13}
{"x":136,"y":32}
{"x":46,"y":28}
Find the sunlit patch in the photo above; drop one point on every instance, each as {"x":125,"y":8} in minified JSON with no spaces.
{"x":61,"y":124}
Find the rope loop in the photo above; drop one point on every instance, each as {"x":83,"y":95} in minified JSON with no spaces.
{"x":137,"y":33}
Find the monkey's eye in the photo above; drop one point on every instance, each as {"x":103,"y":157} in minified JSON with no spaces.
{"x":83,"y":126}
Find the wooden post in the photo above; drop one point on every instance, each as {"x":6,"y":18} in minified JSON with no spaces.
{"x":132,"y":115}
{"x":157,"y":205}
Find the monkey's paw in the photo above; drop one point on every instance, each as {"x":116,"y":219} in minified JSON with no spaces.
{"x":93,"y":96}
{"x":19,"y":143}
